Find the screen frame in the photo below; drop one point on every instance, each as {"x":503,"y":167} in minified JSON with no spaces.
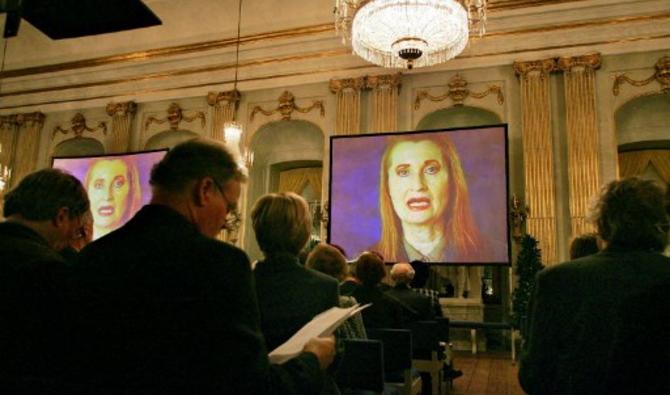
{"x":110,"y":155}
{"x":447,"y":130}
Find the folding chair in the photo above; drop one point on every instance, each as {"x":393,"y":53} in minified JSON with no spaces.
{"x":427,"y":355}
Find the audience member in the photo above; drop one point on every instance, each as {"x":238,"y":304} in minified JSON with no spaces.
{"x":43,"y":214}
{"x":167,"y":308}
{"x":386,"y":311}
{"x":329,"y":260}
{"x":418,"y":284}
{"x":289,"y":295}
{"x":584,"y":245}
{"x":81,"y":239}
{"x":350,"y":282}
{"x":574,"y":308}
{"x":417,"y":307}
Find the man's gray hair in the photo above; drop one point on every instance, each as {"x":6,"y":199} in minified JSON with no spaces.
{"x":402,"y":273}
{"x":193,"y":160}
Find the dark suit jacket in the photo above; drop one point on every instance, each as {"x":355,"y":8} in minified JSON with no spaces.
{"x":418,"y":307}
{"x":32,"y":334}
{"x":385,"y":312}
{"x":167,"y":310}
{"x":290,"y":295}
{"x":574,"y":316}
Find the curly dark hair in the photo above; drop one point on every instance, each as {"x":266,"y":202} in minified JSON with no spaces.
{"x":631,"y":214}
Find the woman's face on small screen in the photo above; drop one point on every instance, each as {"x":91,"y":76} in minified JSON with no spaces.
{"x":418,"y":180}
{"x":108,"y":188}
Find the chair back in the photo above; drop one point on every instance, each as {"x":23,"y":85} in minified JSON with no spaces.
{"x":397,"y":344}
{"x":426,"y":335}
{"x":361,"y":366}
{"x":443,"y":328}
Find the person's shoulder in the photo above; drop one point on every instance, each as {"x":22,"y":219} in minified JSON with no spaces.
{"x":217,"y":250}
{"x":321,"y":277}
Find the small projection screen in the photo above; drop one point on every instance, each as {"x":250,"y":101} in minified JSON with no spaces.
{"x":117,"y":185}
{"x":439,"y":196}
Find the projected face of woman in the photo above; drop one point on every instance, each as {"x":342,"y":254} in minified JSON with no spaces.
{"x":418,"y":180}
{"x":108,"y":188}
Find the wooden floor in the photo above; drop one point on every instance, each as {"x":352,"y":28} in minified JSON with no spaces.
{"x":489,"y":373}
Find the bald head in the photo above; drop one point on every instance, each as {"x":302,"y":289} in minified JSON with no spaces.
{"x":402,"y":273}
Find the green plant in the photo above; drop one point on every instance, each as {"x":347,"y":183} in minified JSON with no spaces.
{"x":528,"y":263}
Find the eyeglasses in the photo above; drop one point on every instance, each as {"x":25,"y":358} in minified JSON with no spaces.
{"x":232,"y":206}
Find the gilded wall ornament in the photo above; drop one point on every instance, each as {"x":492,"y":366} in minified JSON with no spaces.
{"x":174,"y":117}
{"x":8,"y":121}
{"x":32,"y":119}
{"x":458,"y":92}
{"x":287,"y":106}
{"x":518,"y":214}
{"x":376,"y":81}
{"x":661,"y":75}
{"x":79,"y":127}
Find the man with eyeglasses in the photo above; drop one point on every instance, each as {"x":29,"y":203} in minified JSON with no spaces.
{"x":575,"y":308}
{"x":42,"y":214}
{"x":167,"y":308}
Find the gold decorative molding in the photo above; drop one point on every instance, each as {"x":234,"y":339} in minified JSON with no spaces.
{"x":458,"y":92}
{"x":544,"y":66}
{"x":125,"y":108}
{"x":356,"y":84}
{"x":287,"y":106}
{"x":592,"y":61}
{"x":518,"y":213}
{"x":661,"y":75}
{"x":31,"y":119}
{"x":232,"y":96}
{"x":174,"y":117}
{"x":319,"y":54}
{"x":79,"y":127}
{"x":376,"y":81}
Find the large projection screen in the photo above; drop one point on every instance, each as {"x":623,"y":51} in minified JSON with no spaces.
{"x":117,"y":185}
{"x":439,"y":196}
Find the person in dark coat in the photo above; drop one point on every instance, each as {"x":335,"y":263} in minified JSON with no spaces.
{"x":289,"y":294}
{"x":168,"y":309}
{"x":418,"y":307}
{"x":575,"y":305}
{"x":386,"y":311}
{"x":43,"y":214}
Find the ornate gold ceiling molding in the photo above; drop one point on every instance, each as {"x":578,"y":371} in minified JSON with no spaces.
{"x":299,"y":32}
{"x":661,"y":75}
{"x":287,"y":106}
{"x":125,"y":108}
{"x":174,"y":117}
{"x":170,"y":51}
{"x":79,"y":127}
{"x":286,"y":75}
{"x":458,"y":91}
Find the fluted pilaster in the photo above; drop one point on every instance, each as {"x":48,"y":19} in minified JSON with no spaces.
{"x":538,"y":153}
{"x":28,"y":141}
{"x":122,"y":117}
{"x":385,"y":90}
{"x":224,"y":105}
{"x":348,"y":92}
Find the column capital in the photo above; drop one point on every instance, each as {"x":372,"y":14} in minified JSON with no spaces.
{"x":125,"y":108}
{"x":544,"y":66}
{"x":375,"y":81}
{"x":336,"y":86}
{"x":34,"y":118}
{"x":232,"y":96}
{"x":9,"y":120}
{"x":592,"y":61}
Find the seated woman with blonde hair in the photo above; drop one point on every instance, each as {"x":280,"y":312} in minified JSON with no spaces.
{"x":289,"y":295}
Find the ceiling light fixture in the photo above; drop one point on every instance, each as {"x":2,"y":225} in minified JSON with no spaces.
{"x":409,"y":33}
{"x":232,"y":130}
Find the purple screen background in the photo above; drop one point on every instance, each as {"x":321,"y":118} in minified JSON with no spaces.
{"x":144,"y":161}
{"x":354,"y":189}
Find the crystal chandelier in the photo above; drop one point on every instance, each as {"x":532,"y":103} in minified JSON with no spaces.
{"x":409,"y":33}
{"x":232,"y":130}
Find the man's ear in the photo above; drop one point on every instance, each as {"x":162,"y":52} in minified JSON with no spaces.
{"x":202,"y":191}
{"x":61,"y":217}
